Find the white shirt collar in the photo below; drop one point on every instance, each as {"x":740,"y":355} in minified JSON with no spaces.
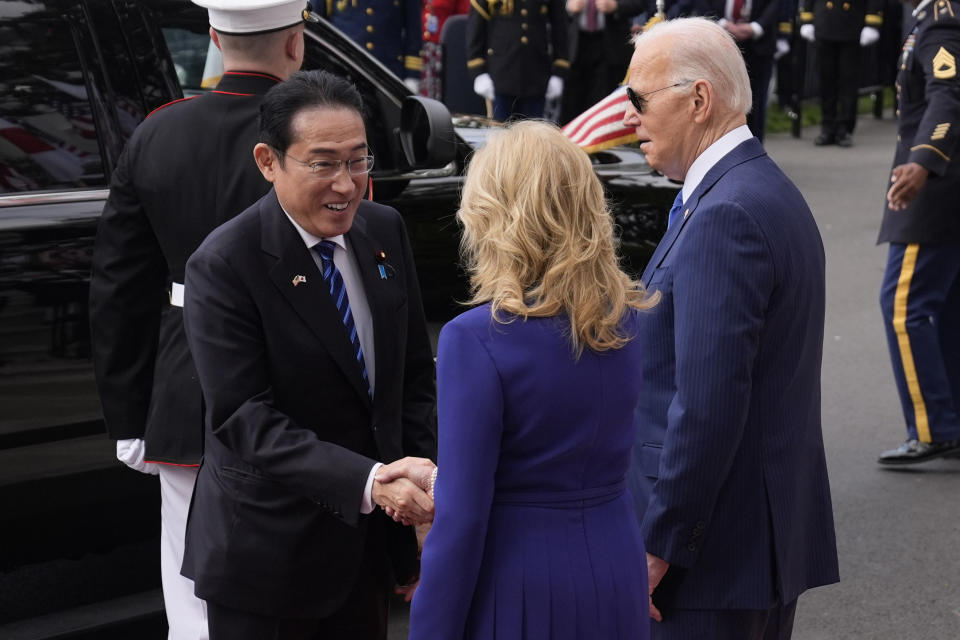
{"x":921,"y":7}
{"x":311,"y":240}
{"x":711,"y":156}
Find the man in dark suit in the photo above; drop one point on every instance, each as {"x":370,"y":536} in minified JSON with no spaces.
{"x":187,"y":168}
{"x":920,"y":295}
{"x":599,"y":43}
{"x":729,"y":473}
{"x":840,"y":28}
{"x":754,"y":25}
{"x":304,"y":318}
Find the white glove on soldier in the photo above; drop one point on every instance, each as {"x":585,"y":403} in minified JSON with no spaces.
{"x":554,"y":87}
{"x":130,"y":452}
{"x":483,"y":86}
{"x":783,"y":48}
{"x":868,"y":35}
{"x":806,"y":32}
{"x":413,"y":84}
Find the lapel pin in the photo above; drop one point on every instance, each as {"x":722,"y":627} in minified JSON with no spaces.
{"x":686,"y":214}
{"x":381,"y":258}
{"x":299,"y":279}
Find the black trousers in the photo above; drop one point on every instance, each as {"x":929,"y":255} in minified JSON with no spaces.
{"x":362,"y":617}
{"x":591,"y":77}
{"x":839,"y":67}
{"x":775,"y":623}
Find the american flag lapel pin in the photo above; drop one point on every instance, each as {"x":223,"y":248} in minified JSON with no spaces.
{"x":299,"y":280}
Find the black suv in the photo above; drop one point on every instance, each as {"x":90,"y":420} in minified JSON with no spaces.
{"x":77,"y":530}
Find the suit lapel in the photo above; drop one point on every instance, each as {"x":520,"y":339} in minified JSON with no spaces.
{"x":309,"y":297}
{"x":365,"y":250}
{"x":747,"y":150}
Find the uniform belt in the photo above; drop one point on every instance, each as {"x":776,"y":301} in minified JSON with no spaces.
{"x":176,"y":294}
{"x":573,"y":499}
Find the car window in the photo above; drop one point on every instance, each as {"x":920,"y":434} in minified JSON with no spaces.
{"x":48,"y":132}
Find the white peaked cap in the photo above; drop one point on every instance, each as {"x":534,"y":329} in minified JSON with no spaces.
{"x":240,"y":17}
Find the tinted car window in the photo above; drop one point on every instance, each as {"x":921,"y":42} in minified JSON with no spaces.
{"x":48,"y":132}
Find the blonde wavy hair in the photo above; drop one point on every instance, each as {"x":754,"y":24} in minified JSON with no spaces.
{"x":538,"y":237}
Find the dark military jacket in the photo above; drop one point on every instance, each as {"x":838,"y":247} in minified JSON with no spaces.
{"x":520,"y":43}
{"x":388,"y":29}
{"x":187,"y":168}
{"x":928,"y":101}
{"x":841,"y":20}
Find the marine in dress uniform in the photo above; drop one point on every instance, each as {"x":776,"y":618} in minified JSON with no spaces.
{"x":520,"y":46}
{"x":187,"y":168}
{"x":388,"y":29}
{"x":920,"y":296}
{"x":840,"y":28}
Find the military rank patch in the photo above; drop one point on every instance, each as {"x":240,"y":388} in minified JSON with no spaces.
{"x":944,"y":65}
{"x":940,"y":131}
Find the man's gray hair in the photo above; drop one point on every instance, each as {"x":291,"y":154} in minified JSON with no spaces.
{"x":702,"y":49}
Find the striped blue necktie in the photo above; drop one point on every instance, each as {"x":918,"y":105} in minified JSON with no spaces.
{"x":675,"y":210}
{"x":338,"y":291}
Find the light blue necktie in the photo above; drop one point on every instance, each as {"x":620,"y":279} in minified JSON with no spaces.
{"x":675,"y":209}
{"x":338,"y":291}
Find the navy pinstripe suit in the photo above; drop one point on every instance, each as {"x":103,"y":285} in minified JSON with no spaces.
{"x":728,"y":472}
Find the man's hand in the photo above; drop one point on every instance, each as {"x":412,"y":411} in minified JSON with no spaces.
{"x":656,"y":569}
{"x":740,"y":30}
{"x":606,"y":6}
{"x":406,"y":590}
{"x":418,"y":470}
{"x":575,"y":6}
{"x":907,"y":180}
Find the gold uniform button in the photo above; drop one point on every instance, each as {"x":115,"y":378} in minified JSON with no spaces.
{"x":369,"y":11}
{"x":523,"y":12}
{"x":489,"y":52}
{"x":369,"y":46}
{"x":524,"y":26}
{"x":543,"y":9}
{"x":524,"y":40}
{"x":369,"y":28}
{"x":846,"y":6}
{"x":829,"y":5}
{"x":396,"y":3}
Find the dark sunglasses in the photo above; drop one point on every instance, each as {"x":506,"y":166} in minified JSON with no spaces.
{"x":639,"y":100}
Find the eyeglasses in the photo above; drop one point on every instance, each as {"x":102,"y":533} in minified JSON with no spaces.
{"x":330,"y":169}
{"x":639,"y":100}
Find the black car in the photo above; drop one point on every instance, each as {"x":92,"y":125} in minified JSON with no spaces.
{"x":78,"y":547}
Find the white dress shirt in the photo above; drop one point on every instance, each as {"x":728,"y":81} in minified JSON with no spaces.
{"x":711,"y":156}
{"x":346,"y":264}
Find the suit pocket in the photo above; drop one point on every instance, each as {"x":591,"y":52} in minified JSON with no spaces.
{"x":661,"y":275}
{"x":650,"y":459}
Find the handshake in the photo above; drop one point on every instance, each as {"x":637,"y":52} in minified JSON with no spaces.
{"x":404,"y":490}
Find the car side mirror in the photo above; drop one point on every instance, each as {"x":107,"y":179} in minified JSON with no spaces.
{"x":426,"y":133}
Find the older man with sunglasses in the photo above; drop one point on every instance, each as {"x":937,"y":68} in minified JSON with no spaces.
{"x":729,"y":473}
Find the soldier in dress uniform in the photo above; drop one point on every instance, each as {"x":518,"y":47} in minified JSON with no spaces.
{"x":187,"y":168}
{"x":517,"y":54}
{"x":840,"y":28}
{"x":920,"y":297}
{"x":388,"y":29}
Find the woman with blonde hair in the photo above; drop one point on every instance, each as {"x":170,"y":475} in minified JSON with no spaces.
{"x":534,"y":535}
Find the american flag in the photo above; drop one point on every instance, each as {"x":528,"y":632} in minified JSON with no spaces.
{"x":601,"y":126}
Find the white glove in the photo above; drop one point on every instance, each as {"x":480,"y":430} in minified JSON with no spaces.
{"x":868,"y":35}
{"x":806,"y":32}
{"x":483,"y":86}
{"x":130,"y":452}
{"x":783,"y":48}
{"x":554,"y":87}
{"x":413,"y":84}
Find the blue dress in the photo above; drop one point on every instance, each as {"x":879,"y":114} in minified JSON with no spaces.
{"x":535,"y":536}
